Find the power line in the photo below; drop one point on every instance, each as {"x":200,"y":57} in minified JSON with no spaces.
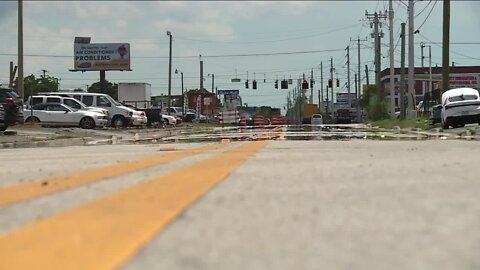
{"x":418,"y":14}
{"x":268,"y":41}
{"x":457,"y":53}
{"x":193,"y":56}
{"x":427,"y":15}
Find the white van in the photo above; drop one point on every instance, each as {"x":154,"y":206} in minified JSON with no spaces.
{"x":120,"y":115}
{"x":317,"y":119}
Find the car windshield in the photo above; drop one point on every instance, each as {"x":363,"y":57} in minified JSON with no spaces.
{"x":113,"y":101}
{"x":74,"y":104}
{"x":462,"y":98}
{"x":9,"y":94}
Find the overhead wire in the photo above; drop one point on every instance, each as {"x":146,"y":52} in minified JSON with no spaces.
{"x":424,"y":8}
{"x":433,"y":7}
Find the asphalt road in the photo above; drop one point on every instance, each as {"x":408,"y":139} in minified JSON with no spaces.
{"x":354,"y":204}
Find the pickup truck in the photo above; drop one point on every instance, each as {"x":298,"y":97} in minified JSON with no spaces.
{"x":343,"y":116}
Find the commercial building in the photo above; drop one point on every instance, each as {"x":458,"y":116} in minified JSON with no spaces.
{"x":460,"y":76}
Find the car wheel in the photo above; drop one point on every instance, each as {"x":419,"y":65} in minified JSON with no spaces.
{"x":167,"y":122}
{"x":445,"y":124}
{"x":118,"y":121}
{"x":3,"y":128}
{"x":87,"y":123}
{"x":32,"y":119}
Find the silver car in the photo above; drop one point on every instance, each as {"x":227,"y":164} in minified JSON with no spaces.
{"x":56,"y":114}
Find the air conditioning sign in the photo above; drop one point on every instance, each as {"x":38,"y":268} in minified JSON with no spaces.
{"x":102,"y":56}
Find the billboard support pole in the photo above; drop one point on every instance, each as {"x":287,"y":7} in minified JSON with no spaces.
{"x":102,"y":81}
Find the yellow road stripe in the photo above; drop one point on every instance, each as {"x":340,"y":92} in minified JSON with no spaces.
{"x":105,"y":233}
{"x":32,"y":189}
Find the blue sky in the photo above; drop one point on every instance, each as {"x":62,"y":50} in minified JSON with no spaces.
{"x":214,"y":28}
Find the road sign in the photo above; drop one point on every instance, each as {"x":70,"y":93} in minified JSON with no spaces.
{"x":228,"y":92}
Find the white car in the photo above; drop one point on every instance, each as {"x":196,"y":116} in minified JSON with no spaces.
{"x":62,"y":115}
{"x":174,"y":111}
{"x":460,"y":106}
{"x":71,"y":102}
{"x":139,"y":118}
{"x":169,"y":120}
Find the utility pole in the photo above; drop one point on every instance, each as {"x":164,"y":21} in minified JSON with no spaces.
{"x":402,"y":73}
{"x":411,"y":63}
{"x":169,"y":34}
{"x":366,"y":73}
{"x":348,"y":78}
{"x":446,"y":46}
{"x":392,"y":64}
{"x":326,"y":108}
{"x":320,"y":91}
{"x":201,"y":73}
{"x":375,"y":17}
{"x":430,"y":88}
{"x":213,"y":83}
{"x":20,"y":87}
{"x":331,"y":77}
{"x":311,"y":88}
{"x":356,"y":94}
{"x":359,"y":77}
{"x":13,"y":71}
{"x":44,"y":73}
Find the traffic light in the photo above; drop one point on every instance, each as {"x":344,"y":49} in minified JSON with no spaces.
{"x":305,"y":84}
{"x":338,"y":83}
{"x":254,"y":84}
{"x":284,"y":84}
{"x":246,"y":84}
{"x":276,"y":84}
{"x":329,"y":83}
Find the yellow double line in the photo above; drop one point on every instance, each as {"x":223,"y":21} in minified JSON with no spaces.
{"x":105,"y":233}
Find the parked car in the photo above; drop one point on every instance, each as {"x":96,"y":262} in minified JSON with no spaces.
{"x":57,"y":114}
{"x":120,"y":115}
{"x":460,"y":106}
{"x":174,"y":111}
{"x":3,"y":124}
{"x":71,"y":102}
{"x":421,"y":106}
{"x":343,"y":116}
{"x":139,"y":118}
{"x":317,"y":119}
{"x":191,"y":116}
{"x":12,"y":105}
{"x":169,"y":120}
{"x":436,"y":114}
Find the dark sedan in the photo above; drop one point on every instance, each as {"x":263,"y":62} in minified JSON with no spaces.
{"x":13,"y":106}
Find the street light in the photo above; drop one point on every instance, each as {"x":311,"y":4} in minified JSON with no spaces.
{"x":213,"y":81}
{"x":183,"y":99}
{"x":169,"y":34}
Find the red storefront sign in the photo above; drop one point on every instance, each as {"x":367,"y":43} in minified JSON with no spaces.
{"x":207,"y":101}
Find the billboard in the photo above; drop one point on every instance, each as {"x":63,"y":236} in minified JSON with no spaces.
{"x":101,"y":56}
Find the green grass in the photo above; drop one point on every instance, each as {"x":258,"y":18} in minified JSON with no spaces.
{"x":421,"y":123}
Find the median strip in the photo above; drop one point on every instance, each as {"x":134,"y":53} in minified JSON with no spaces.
{"x":16,"y":193}
{"x":108,"y":231}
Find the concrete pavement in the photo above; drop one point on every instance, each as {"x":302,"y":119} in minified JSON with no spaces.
{"x":298,"y":205}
